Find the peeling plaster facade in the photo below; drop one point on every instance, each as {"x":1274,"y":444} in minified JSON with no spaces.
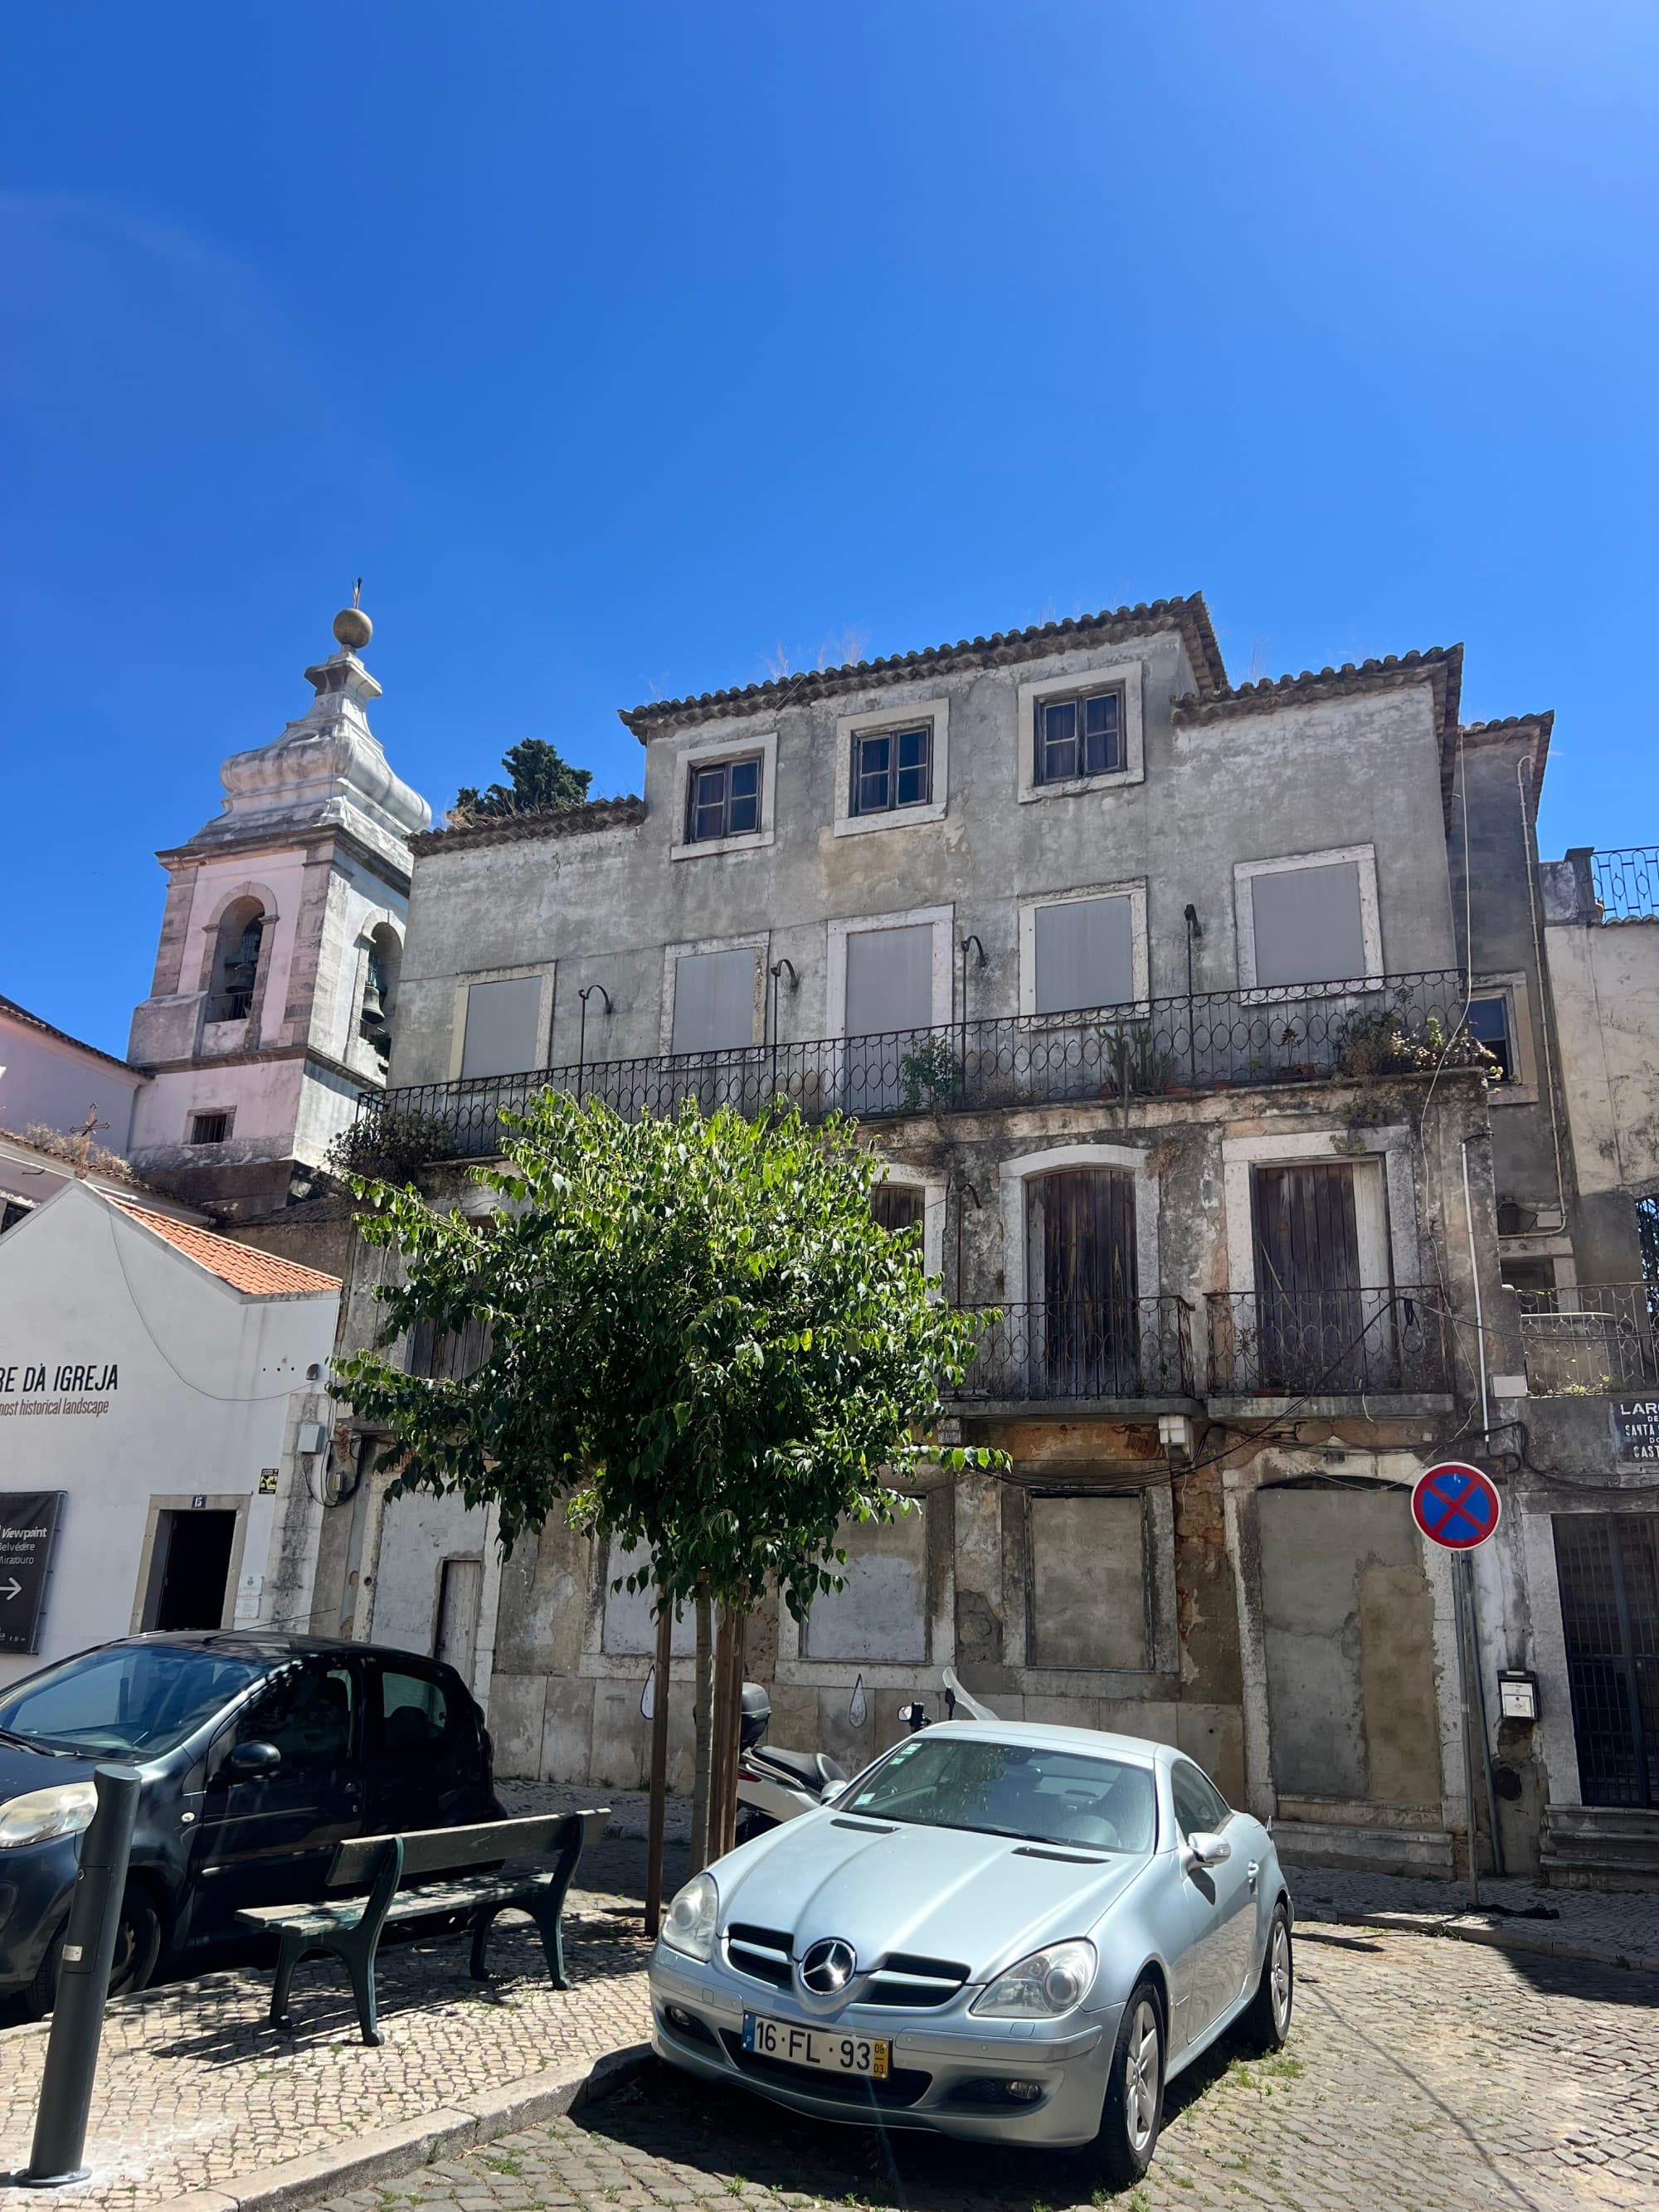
{"x":1229,"y":1566}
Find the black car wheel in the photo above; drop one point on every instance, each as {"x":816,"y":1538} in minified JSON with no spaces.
{"x":1133,"y":2110}
{"x":137,"y":1946}
{"x":1267,"y":2021}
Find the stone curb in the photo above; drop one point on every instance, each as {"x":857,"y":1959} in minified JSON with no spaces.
{"x":383,"y":2153}
{"x":1551,"y":1943}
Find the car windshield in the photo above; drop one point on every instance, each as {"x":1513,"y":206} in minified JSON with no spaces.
{"x":1040,"y":1794}
{"x":143,"y":1698}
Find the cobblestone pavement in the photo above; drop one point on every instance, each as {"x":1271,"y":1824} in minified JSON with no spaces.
{"x":1615,"y":1926}
{"x":196,"y":2090}
{"x":1420,"y":2077}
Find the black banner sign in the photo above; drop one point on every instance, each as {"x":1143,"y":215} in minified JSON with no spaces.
{"x":29,"y":1522}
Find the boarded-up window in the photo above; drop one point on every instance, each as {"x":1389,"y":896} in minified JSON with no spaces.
{"x":714,"y":1000}
{"x":448,"y":1355}
{"x":880,"y":1614}
{"x":629,"y":1628}
{"x":897,"y":1205}
{"x":890,"y":980}
{"x":1085,"y":954}
{"x":1089,"y":1582}
{"x":1307,"y":925}
{"x":503,"y":1027}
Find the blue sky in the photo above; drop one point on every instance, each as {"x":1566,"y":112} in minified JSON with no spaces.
{"x":617,"y":348}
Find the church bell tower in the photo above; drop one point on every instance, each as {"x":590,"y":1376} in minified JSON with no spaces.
{"x":275,"y":996}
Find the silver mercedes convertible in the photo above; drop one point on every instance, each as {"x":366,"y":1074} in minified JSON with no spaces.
{"x":1013,"y":1933}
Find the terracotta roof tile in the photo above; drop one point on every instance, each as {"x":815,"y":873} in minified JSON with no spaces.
{"x":1190,"y":616}
{"x":244,"y":1266}
{"x":1440,"y":666}
{"x":540,"y":822}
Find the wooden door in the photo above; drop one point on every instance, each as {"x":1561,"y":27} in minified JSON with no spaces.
{"x":1085,"y":1219}
{"x":1311,"y":1315}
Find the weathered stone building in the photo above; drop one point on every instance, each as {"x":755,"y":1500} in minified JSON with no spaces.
{"x":1154,"y":992}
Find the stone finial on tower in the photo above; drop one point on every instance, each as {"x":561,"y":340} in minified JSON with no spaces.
{"x":352,"y":627}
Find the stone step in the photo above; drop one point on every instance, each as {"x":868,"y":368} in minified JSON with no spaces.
{"x":1368,"y":1849}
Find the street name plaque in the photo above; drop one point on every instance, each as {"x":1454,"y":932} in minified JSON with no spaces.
{"x":1636,"y":1430}
{"x":29,"y":1522}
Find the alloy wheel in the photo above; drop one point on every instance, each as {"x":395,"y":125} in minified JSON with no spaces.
{"x":1140,"y":2077}
{"x":1279,"y":1977}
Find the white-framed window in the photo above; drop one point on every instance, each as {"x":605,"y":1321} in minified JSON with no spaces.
{"x":727,"y":795}
{"x":1083,"y":948}
{"x":503,"y":1018}
{"x":1500,"y":1018}
{"x":1081,"y":732}
{"x":1310,"y":918}
{"x":892,"y":767}
{"x":713,"y":994}
{"x":890,"y":972}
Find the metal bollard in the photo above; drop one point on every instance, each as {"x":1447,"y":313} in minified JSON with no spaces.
{"x":77,"y":2018}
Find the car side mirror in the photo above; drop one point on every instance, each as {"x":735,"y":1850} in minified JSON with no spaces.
{"x":250,"y":1761}
{"x":1205,"y":1848}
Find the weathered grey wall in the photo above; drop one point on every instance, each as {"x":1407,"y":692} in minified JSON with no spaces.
{"x":604,"y":906}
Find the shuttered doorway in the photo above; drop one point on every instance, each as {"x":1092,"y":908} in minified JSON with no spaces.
{"x":1311,"y":1313}
{"x":1082,"y":1223}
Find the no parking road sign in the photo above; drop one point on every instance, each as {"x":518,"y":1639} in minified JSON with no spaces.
{"x":1455,"y":1505}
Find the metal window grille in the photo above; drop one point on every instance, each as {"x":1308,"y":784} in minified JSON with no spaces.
{"x":1608,"y":1564}
{"x":209,"y":1129}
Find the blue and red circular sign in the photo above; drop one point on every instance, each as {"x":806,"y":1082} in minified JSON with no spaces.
{"x":1455,"y":1505}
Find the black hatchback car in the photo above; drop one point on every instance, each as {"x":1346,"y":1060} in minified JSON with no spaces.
{"x":259,"y":1753}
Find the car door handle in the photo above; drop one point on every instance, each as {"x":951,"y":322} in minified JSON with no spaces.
{"x":186,"y":1820}
{"x":1254,"y":1872}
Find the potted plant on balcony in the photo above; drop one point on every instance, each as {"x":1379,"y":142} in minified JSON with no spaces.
{"x":1135,"y":1066}
{"x":389,"y":1145}
{"x":930,"y":1076}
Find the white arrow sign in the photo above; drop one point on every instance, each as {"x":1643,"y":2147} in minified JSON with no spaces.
{"x":12,"y":1589}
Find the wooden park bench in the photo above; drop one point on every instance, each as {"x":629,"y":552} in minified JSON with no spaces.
{"x":351,"y":1928}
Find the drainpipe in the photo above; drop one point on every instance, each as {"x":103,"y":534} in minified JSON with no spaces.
{"x":963,"y":1080}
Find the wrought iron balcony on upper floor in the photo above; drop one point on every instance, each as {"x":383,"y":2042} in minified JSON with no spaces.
{"x":1591,"y":1339}
{"x":1328,"y":1343}
{"x":1147,"y":1047}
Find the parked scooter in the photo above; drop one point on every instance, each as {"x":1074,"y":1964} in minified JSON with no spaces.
{"x":775,"y":1785}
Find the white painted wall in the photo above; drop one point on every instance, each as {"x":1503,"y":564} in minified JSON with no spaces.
{"x":210,"y":1385}
{"x":48,"y":1079}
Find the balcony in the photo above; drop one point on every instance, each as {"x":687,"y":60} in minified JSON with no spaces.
{"x":1590,"y":1340}
{"x":1329,"y":1344}
{"x":1079,"y":1351}
{"x":1149,"y":1048}
{"x":1627,"y":883}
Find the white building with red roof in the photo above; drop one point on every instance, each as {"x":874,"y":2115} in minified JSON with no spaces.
{"x":163,"y":1427}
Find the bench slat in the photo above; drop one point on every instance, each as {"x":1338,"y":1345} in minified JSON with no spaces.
{"x":441,"y":1850}
{"x":408,"y":1904}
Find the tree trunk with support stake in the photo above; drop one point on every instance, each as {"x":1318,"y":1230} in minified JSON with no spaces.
{"x":659,"y":1773}
{"x":703,"y":1716}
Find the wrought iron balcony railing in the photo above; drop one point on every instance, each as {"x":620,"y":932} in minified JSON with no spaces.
{"x":1215,"y":1040}
{"x":1080,"y":1348}
{"x":1320,"y":1344}
{"x":1627,"y":882}
{"x":1591,"y":1339}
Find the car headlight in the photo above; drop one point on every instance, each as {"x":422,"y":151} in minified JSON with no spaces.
{"x":1045,"y":1986}
{"x":689,"y":1924}
{"x":44,"y":1813}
